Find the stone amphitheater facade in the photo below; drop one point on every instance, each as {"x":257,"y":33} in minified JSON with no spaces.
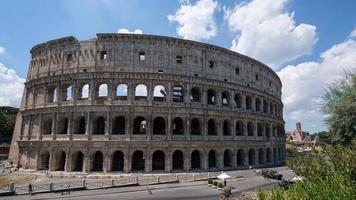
{"x":126,"y":102}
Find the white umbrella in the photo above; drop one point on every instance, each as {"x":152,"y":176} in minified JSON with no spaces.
{"x":223,"y":176}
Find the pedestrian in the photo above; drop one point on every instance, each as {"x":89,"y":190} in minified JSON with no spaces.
{"x":30,"y":189}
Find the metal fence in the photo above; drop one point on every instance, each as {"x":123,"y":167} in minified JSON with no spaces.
{"x":138,"y":179}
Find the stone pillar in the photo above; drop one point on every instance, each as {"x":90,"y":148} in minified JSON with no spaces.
{"x":92,"y":88}
{"x":219,"y":160}
{"x":70,"y":126}
{"x":68,"y":162}
{"x":204,"y":161}
{"x":51,"y":161}
{"x":149,"y":126}
{"x":187,"y":164}
{"x":88,"y":125}
{"x":108,"y":126}
{"x":39,"y":136}
{"x":168,"y":163}
{"x":127,"y":162}
{"x":128,"y":127}
{"x":255,"y":128}
{"x":187,"y":127}
{"x":54,"y":125}
{"x":74,"y":92}
{"x":106,"y":163}
{"x":243,"y":101}
{"x":169,"y":126}
{"x":148,"y":162}
{"x":86,"y":163}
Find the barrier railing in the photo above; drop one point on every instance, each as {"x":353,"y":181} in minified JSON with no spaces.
{"x":115,"y":182}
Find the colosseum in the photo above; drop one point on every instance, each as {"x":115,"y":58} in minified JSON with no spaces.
{"x":127,"y":103}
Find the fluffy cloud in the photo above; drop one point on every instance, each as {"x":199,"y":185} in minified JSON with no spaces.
{"x":353,"y":33}
{"x":304,"y":84}
{"x":196,"y":21}
{"x":2,"y":50}
{"x":11,"y":87}
{"x":124,"y":30}
{"x":266,"y":31}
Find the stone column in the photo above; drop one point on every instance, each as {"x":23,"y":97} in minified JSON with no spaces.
{"x":54,"y":125}
{"x":70,"y":126}
{"x":68,"y":162}
{"x":187,"y":164}
{"x":92,"y":91}
{"x":204,"y":161}
{"x":169,"y":127}
{"x":108,"y":126}
{"x":52,"y":160}
{"x":39,"y":136}
{"x":88,"y":125}
{"x":148,"y":162}
{"x":127,"y":162}
{"x":168,"y":163}
{"x":220,"y":160}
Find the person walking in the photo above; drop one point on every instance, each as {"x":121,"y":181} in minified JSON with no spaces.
{"x":30,"y":189}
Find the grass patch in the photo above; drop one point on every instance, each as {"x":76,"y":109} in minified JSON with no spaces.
{"x":4,"y":181}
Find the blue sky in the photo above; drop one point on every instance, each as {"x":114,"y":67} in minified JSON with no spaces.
{"x":319,"y":35}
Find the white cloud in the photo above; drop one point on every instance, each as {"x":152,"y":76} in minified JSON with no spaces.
{"x":2,"y":50}
{"x":196,"y":21}
{"x":267,"y":32}
{"x":11,"y":87}
{"x":304,"y":84}
{"x":124,"y":30}
{"x":353,"y":33}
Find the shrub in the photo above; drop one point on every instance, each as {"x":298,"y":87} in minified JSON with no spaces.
{"x":210,"y":181}
{"x":215,"y":183}
{"x":220,"y":185}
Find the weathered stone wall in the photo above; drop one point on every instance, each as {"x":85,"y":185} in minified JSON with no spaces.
{"x":73,"y":102}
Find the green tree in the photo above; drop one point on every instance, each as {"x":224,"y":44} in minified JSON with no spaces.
{"x":329,"y":173}
{"x":340,"y":106}
{"x":7,"y":122}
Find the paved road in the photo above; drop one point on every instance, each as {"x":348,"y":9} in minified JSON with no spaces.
{"x":245,"y":180}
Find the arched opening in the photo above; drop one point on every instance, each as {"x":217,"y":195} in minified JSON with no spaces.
{"x":68,"y":93}
{"x":117,"y":161}
{"x":84,"y":92}
{"x":212,"y":159}
{"x":178,"y":160}
{"x":77,"y":160}
{"x":98,"y":161}
{"x":267,"y":130}
{"x":211,"y":127}
{"x":248,"y":102}
{"x":80,"y":126}
{"x":52,"y":95}
{"x":159,"y":93}
{"x":226,"y":127}
{"x":250,"y":129}
{"x":225,"y":97}
{"x":140,"y":92}
{"x":240,"y":160}
{"x":195,"y":160}
{"x":265,"y":106}
{"x":47,"y":126}
{"x":270,"y":108}
{"x":119,"y":125}
{"x":121,"y":91}
{"x":259,"y":129}
{"x":158,"y":160}
{"x":227,"y":158}
{"x":139,"y":125}
{"x":178,"y":127}
{"x":239,"y":128}
{"x":62,"y":125}
{"x":103,"y":90}
{"x":195,"y":127}
{"x":261,"y":157}
{"x":251,"y":157}
{"x":61,"y":161}
{"x":211,"y":97}
{"x":274,"y":154}
{"x":44,"y":161}
{"x":178,"y":93}
{"x":138,"y":161}
{"x":269,"y":155}
{"x":195,"y":95}
{"x":258,"y":104}
{"x":237,"y":100}
{"x":159,"y":126}
{"x":99,"y":126}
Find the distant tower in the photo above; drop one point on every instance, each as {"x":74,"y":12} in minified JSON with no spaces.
{"x":299,"y":126}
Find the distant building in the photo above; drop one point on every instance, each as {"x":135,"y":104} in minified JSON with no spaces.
{"x":298,"y":135}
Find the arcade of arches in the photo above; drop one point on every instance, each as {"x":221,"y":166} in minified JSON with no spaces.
{"x":159,"y":160}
